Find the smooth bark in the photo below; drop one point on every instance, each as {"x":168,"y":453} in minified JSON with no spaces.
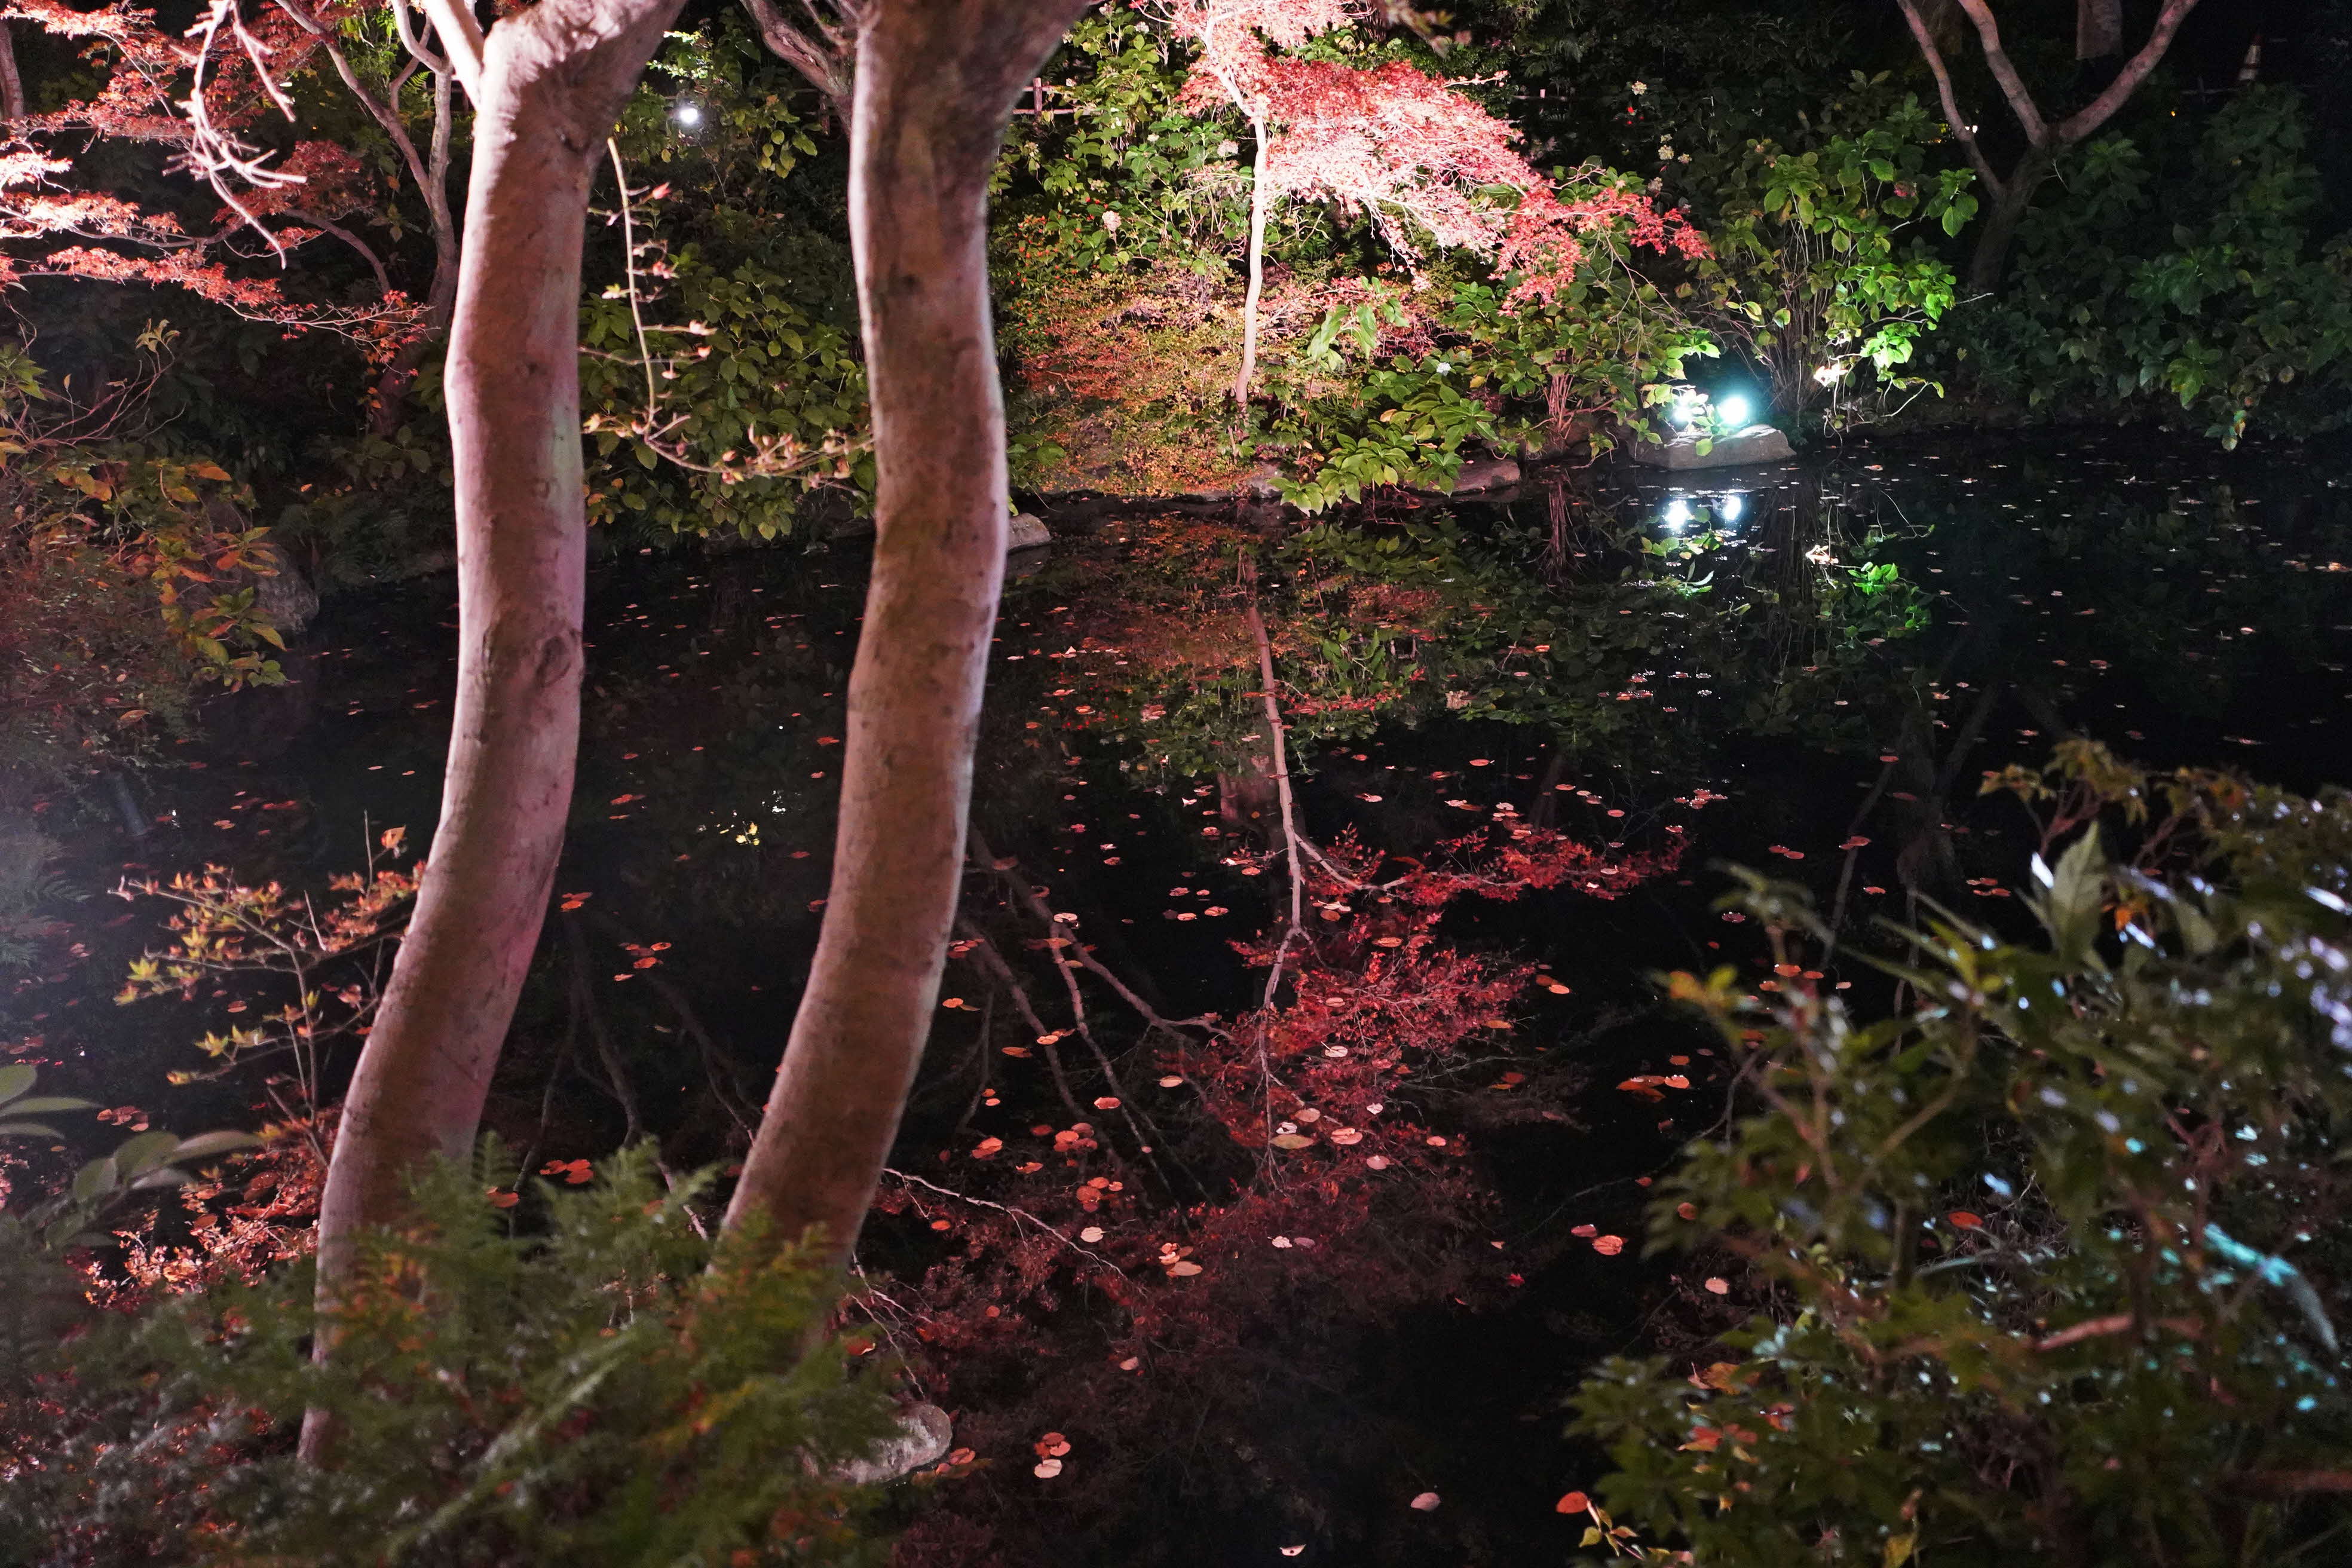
{"x":548,"y":84}
{"x":936,"y":82}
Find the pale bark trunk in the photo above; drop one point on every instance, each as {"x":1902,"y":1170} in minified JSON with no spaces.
{"x":12,"y":84}
{"x":1256,"y":269}
{"x":2098,"y":28}
{"x":551,"y":84}
{"x":936,"y":81}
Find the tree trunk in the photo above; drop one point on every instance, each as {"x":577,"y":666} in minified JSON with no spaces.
{"x":1256,"y":269}
{"x":2098,"y":28}
{"x":936,"y":81}
{"x":551,"y":82}
{"x":12,"y":84}
{"x":2002,"y":217}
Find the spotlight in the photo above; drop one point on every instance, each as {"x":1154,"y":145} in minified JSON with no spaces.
{"x":689,"y":115}
{"x":1685,"y":409}
{"x":1679,"y":513}
{"x":1733,"y":411}
{"x":1730,"y":508}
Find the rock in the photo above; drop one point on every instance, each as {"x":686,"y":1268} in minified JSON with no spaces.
{"x":830,"y":512}
{"x":1757,"y":443}
{"x":924,"y":1434}
{"x":1483,"y":474}
{"x":1027,"y":534}
{"x":287,"y":599}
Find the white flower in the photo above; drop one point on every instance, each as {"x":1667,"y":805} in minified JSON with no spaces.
{"x":1110,"y":221}
{"x":1665,"y":152}
{"x":1639,"y":88}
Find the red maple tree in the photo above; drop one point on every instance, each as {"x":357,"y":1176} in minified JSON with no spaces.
{"x":1413,"y":152}
{"x":208,"y":99}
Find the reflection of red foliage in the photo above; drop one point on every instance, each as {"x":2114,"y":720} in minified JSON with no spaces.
{"x":1216,"y":1281}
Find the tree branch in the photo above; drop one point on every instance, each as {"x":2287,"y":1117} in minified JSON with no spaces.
{"x":461,"y":35}
{"x":2037,"y":130}
{"x":2103,"y":107}
{"x":1961,"y":130}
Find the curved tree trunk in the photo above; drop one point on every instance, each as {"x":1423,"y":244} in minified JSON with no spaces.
{"x":549,"y":83}
{"x":936,"y":81}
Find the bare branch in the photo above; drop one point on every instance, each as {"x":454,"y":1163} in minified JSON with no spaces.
{"x":1961,"y":130}
{"x":375,"y":263}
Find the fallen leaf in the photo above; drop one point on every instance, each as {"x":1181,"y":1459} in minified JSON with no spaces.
{"x":1178,"y":1270}
{"x":1965,"y":1220}
{"x":1426,"y":1502}
{"x":1092,"y":1233}
{"x":1047,"y":1469}
{"x":1718,"y":1286}
{"x":1609,"y":1246}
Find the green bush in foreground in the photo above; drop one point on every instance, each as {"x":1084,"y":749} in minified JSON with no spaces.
{"x":2050,"y":1255}
{"x":605,"y":1388}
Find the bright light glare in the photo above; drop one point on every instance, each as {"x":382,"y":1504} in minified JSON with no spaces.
{"x":1679,"y":513}
{"x":689,"y":115}
{"x":1685,"y":408}
{"x":1730,"y":507}
{"x":1733,"y":411}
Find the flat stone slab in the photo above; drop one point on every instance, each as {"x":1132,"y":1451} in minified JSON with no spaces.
{"x":1757,"y":443}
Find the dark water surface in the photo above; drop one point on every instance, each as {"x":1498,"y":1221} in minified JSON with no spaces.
{"x":1805,"y":669}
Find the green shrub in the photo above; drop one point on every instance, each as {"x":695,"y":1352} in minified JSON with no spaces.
{"x":2042,"y":1263}
{"x":2190,"y":275}
{"x":601,"y":1387}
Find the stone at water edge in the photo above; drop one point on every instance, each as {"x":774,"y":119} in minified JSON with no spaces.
{"x":1027,"y":534}
{"x":1757,"y":443}
{"x":924,"y":1436}
{"x":1482,"y":474}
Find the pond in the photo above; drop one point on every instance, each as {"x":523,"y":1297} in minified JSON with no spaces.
{"x":1805,"y":669}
